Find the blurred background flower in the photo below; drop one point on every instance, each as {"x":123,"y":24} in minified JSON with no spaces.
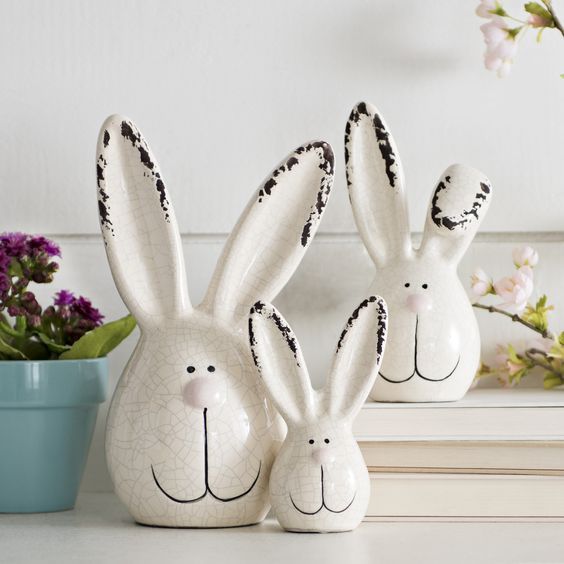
{"x":503,"y":31}
{"x":543,"y":352}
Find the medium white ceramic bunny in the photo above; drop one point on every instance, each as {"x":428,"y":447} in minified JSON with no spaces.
{"x":319,"y":481}
{"x":433,"y":348}
{"x":190,"y":436}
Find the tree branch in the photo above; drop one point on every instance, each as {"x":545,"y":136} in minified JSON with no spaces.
{"x":530,"y":354}
{"x":557,"y":22}
{"x":514,"y":317}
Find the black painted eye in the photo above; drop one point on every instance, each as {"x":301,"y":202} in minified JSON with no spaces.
{"x":190,"y":369}
{"x":211,"y":368}
{"x":425,"y":286}
{"x":406,"y":284}
{"x":326,"y":441}
{"x":311,"y":441}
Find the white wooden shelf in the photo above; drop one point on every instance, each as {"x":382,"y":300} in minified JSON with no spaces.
{"x":100,"y":531}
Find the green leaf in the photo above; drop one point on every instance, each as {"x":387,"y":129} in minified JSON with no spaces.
{"x":11,"y":352}
{"x":536,"y":9}
{"x":552,"y":381}
{"x":15,"y":269}
{"x":512,"y":355}
{"x":498,"y":10}
{"x":537,"y":315}
{"x":6,"y":328}
{"x":34,"y":350}
{"x":514,"y":32}
{"x":21,"y":324}
{"x":100,"y":341}
{"x":50,"y":344}
{"x":518,"y":376}
{"x":557,"y":351}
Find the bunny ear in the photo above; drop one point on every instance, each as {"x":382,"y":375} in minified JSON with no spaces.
{"x":273,"y":233}
{"x":138,"y":225}
{"x":458,"y":205}
{"x":376,"y":185}
{"x":357,"y":358}
{"x":280,"y":362}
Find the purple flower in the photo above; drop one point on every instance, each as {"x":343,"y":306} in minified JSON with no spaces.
{"x":15,"y":310}
{"x":64,"y":298}
{"x":14,"y":244}
{"x":39,"y":244}
{"x":4,"y":261}
{"x":83,"y":307}
{"x":34,"y":320}
{"x":4,"y":284}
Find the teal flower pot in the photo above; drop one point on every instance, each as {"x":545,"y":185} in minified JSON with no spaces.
{"x":48,"y":411}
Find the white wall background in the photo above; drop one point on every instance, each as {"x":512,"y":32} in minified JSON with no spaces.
{"x":253,"y":80}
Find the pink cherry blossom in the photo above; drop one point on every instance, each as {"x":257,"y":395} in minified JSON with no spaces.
{"x":501,"y":45}
{"x":525,"y":256}
{"x":482,"y":284}
{"x":493,"y":32}
{"x":534,"y":20}
{"x":513,"y":368}
{"x":516,"y":290}
{"x":526,"y":270}
{"x":485,"y":8}
{"x":492,"y":62}
{"x":504,"y":49}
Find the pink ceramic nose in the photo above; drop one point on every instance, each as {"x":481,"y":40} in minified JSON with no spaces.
{"x":204,"y":392}
{"x":419,"y":303}
{"x":324,"y":455}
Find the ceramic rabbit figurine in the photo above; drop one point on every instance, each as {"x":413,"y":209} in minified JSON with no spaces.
{"x":433,"y":348}
{"x":190,"y":436}
{"x":319,"y":481}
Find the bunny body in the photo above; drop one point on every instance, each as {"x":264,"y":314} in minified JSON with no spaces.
{"x":319,"y":481}
{"x":433,"y":349}
{"x":311,"y":496}
{"x":158,"y":445}
{"x":190,"y":435}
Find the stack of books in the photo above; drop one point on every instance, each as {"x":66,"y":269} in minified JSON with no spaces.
{"x":494,"y":455}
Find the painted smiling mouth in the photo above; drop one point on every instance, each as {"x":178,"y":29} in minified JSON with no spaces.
{"x":416,"y":371}
{"x":208,"y":489}
{"x":323,"y":504}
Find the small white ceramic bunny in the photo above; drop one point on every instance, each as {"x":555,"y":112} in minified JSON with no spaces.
{"x":319,"y":481}
{"x":190,"y":436}
{"x":433,"y":347}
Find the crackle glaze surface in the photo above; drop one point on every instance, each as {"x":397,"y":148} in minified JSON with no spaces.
{"x":319,"y":480}
{"x":433,"y":349}
{"x":190,"y":436}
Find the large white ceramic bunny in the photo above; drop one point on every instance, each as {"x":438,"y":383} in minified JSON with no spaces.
{"x":433,"y":348}
{"x":190,"y":436}
{"x":319,"y":481}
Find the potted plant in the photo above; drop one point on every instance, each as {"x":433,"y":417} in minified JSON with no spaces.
{"x":53,"y":376}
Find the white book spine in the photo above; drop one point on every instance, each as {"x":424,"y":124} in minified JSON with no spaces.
{"x":454,"y":496}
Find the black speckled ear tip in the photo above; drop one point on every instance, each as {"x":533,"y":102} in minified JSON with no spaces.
{"x":364,"y":108}
{"x":257,"y":307}
{"x":381,"y":302}
{"x":327,"y":154}
{"x":113,"y":124}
